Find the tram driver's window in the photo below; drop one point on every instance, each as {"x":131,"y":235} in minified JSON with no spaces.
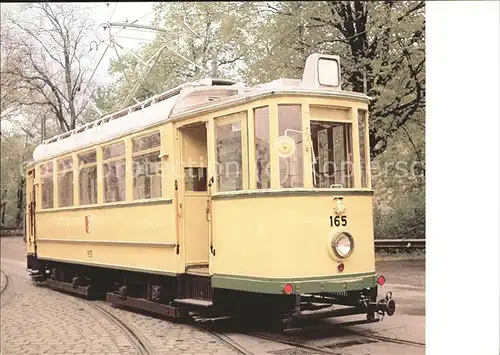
{"x":290,"y":124}
{"x":146,"y":166}
{"x":114,"y":172}
{"x":332,"y":146}
{"x":46,"y":177}
{"x":229,"y":153}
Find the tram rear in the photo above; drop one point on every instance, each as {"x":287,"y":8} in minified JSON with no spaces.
{"x":302,"y":232}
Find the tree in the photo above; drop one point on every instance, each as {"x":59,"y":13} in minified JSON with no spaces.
{"x":382,"y":49}
{"x":47,"y":44}
{"x":15,"y":149}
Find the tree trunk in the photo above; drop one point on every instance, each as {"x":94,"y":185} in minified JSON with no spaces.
{"x":20,"y":200}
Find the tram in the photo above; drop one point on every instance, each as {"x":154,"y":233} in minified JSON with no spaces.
{"x":215,"y":196}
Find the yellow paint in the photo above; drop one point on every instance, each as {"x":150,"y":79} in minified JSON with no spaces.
{"x":118,"y":223}
{"x":195,"y":244}
{"x":281,"y":237}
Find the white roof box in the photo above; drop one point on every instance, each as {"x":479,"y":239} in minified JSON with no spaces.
{"x":322,"y":71}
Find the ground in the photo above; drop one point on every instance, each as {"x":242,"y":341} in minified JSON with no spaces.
{"x":36,"y":320}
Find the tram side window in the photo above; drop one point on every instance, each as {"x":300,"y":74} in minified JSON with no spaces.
{"x":114,"y":172}
{"x":146,"y":166}
{"x":291,"y":168}
{"x":87,"y":163}
{"x":262,"y":147}
{"x":46,"y":175}
{"x":229,"y":152}
{"x":65,"y":182}
{"x":362,"y":146}
{"x":332,"y":146}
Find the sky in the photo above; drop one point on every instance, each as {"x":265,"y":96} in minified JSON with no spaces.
{"x":103,"y":12}
{"x":129,"y":38}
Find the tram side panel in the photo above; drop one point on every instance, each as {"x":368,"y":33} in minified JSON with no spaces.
{"x":139,"y":237}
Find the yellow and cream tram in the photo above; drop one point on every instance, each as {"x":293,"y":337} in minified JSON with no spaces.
{"x":214,"y":195}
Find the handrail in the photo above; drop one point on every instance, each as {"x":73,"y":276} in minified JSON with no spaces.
{"x":400,"y":243}
{"x":177,"y":216}
{"x":211,"y":229}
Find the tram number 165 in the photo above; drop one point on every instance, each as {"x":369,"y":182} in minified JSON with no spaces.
{"x":338,"y":221}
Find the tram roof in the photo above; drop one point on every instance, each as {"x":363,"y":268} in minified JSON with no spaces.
{"x":190,"y":98}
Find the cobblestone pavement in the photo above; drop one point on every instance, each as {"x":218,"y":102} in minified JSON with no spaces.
{"x":36,"y":320}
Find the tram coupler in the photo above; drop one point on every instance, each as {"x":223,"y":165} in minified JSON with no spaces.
{"x":386,"y":305}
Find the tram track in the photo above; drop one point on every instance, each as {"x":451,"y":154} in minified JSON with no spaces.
{"x":387,"y":339}
{"x":333,"y":347}
{"x":6,"y":285}
{"x":140,"y":344}
{"x":225,"y":339}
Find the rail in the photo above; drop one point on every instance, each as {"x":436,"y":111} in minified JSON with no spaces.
{"x":399,"y":244}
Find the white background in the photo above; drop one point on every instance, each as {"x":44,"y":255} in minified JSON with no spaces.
{"x":462,"y":141}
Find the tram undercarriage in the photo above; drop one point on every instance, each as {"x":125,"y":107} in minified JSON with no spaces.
{"x":177,"y":297}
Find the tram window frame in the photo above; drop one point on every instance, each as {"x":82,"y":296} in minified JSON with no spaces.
{"x":112,"y":157}
{"x":346,"y":179}
{"x":296,"y":160}
{"x":47,"y":184}
{"x":65,"y":182}
{"x":85,"y":165}
{"x":232,"y":121}
{"x":150,"y":149}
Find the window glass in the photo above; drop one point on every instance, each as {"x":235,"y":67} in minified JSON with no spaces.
{"x":291,"y":168}
{"x":229,"y":153}
{"x":332,"y":146}
{"x":65,"y":164}
{"x":146,"y":166}
{"x":65,"y":182}
{"x":362,"y":147}
{"x":147,"y":142}
{"x":262,"y":147}
{"x":114,"y":172}
{"x":87,"y":158}
{"x":195,"y":179}
{"x":114,"y":181}
{"x":88,"y":185}
{"x":46,"y":177}
{"x":147,"y":175}
{"x":113,"y":151}
{"x":88,"y":178}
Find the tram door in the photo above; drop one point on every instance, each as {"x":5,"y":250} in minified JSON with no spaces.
{"x":31,"y":210}
{"x":193,"y":139}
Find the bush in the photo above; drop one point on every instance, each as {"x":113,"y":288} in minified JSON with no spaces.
{"x":405,"y":220}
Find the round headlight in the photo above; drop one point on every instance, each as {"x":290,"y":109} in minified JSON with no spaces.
{"x":343,"y":244}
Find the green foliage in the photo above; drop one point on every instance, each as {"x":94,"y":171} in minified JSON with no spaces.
{"x":406,"y":219}
{"x":16,"y":149}
{"x":381,"y":45}
{"x":398,"y":178}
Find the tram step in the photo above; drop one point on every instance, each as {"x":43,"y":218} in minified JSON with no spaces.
{"x":194,"y":302}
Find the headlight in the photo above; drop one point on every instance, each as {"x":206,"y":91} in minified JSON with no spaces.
{"x":343,"y":244}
